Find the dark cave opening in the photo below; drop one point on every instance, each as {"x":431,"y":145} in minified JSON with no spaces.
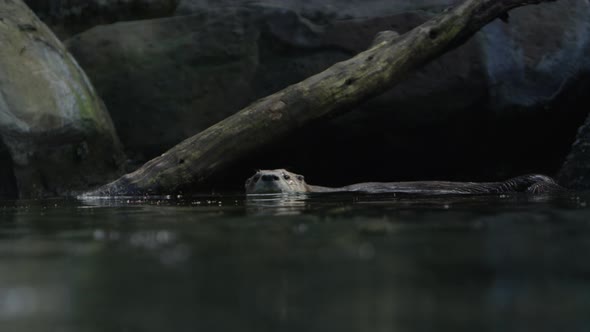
{"x":8,"y":187}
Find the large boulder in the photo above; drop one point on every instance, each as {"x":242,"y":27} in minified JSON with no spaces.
{"x":479,"y":111}
{"x":163,"y":86}
{"x":58,"y":134}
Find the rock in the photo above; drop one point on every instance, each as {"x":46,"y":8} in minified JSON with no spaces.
{"x":475,"y":113}
{"x":530,"y":61}
{"x":57,"y":131}
{"x":67,"y":18}
{"x":575,"y":172}
{"x":184,"y":75}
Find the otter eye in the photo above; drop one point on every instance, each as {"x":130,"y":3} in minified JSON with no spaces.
{"x":300,"y":177}
{"x":286,"y":176}
{"x":256,"y":177}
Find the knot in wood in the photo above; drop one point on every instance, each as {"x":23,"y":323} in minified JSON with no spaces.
{"x":275,"y":110}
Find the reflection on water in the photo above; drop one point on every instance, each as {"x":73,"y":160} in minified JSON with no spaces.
{"x":296,"y":263}
{"x":276,"y":204}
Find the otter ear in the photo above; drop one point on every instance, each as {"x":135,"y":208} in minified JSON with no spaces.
{"x":300,"y":177}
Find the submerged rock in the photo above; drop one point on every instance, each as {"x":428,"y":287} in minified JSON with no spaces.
{"x":464,"y":116}
{"x":57,"y":131}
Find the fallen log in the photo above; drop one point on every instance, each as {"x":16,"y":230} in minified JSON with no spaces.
{"x":334,"y":90}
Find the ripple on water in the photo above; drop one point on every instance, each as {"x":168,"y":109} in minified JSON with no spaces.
{"x":296,"y":263}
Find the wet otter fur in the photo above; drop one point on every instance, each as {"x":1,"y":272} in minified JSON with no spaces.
{"x":283,"y":181}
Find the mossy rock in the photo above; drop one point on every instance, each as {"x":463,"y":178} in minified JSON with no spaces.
{"x":57,"y":130}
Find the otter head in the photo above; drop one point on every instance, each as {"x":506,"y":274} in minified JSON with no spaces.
{"x":275,"y":181}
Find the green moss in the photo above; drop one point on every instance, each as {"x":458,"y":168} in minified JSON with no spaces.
{"x":88,"y":106}
{"x":87,"y":110}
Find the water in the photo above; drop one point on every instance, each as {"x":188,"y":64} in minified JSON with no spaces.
{"x":322,"y":263}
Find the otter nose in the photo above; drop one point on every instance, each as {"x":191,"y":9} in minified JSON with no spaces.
{"x":269,"y":177}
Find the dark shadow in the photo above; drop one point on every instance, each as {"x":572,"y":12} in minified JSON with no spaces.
{"x":8,"y":188}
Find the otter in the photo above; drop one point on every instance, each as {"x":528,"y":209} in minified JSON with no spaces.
{"x":283,"y":181}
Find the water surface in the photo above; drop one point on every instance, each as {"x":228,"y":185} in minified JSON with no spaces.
{"x":320,"y":263}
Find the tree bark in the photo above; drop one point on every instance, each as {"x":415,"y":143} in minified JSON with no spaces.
{"x":334,"y":90}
